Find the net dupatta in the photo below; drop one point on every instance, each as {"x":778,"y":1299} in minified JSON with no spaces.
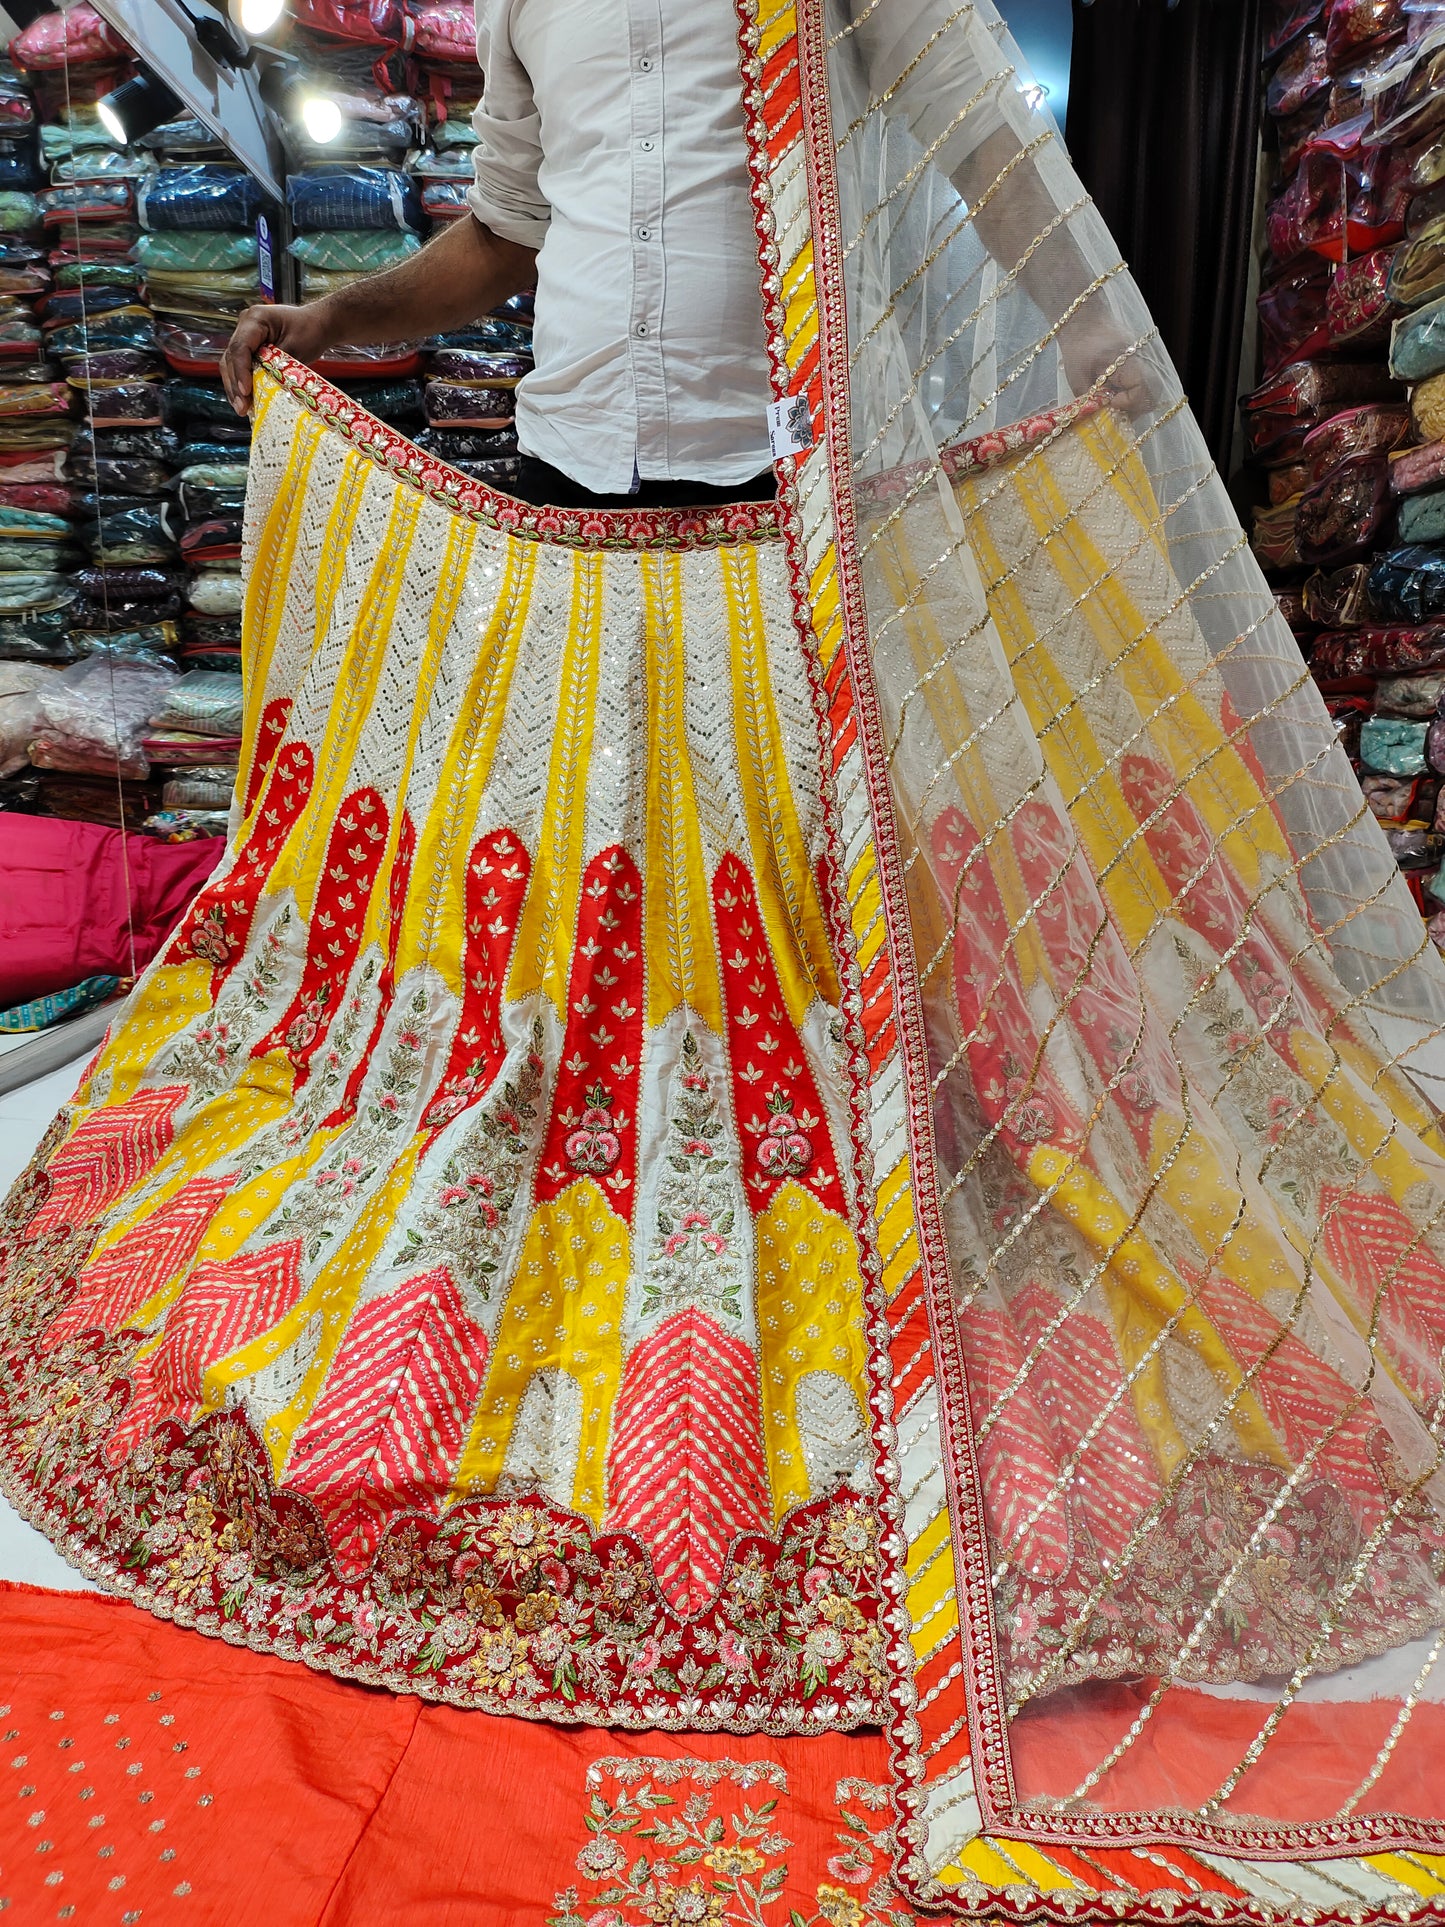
{"x":1153,"y":1036}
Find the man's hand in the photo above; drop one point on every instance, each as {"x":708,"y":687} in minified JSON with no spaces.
{"x":302,"y":332}
{"x":1095,"y":350}
{"x":464,"y":271}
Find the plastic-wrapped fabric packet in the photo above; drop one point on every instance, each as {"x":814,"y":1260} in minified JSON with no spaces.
{"x":351,"y":363}
{"x":135,"y":537}
{"x":101,"y":164}
{"x":1286,"y":483}
{"x":1412,"y":696}
{"x":1362,"y":301}
{"x":1291,"y":605}
{"x":1354,"y":27}
{"x":1408,"y":584}
{"x":1382,"y":651}
{"x":18,"y":211}
{"x":24,"y":281}
{"x":151,"y":642}
{"x":461,"y":445}
{"x":192,"y":350}
{"x":200,"y":401}
{"x":1427,"y":408}
{"x":1371,"y":427}
{"x":357,"y":251}
{"x":20,"y":714}
{"x":184,"y":748}
{"x":65,"y":305}
{"x":116,"y":615}
{"x":1346,"y":197}
{"x":111,"y":364}
{"x":323,"y":198}
{"x":20,"y":163}
{"x":88,"y":274}
{"x":17,"y":107}
{"x":445,"y":31}
{"x":205,"y":702}
{"x":1422,"y":517}
{"x":1302,"y":77}
{"x":201,"y":788}
{"x":1418,"y":468}
{"x":195,"y":251}
{"x":1393,"y":747}
{"x":1396,"y":799}
{"x":217,"y":539}
{"x":317,"y":283}
{"x":1274,"y":538}
{"x":199,"y":194}
{"x":479,"y":364}
{"x":153,"y":444}
{"x":74,"y":39}
{"x":469,"y":404}
{"x":128,"y":585}
{"x":132,"y":327}
{"x":1417,"y":343}
{"x":127,"y":404}
{"x":1405,"y":98}
{"x":95,"y":714}
{"x":383,"y":24}
{"x":121,"y":474}
{"x":212,"y":632}
{"x":208,"y":488}
{"x":396,"y":402}
{"x":184,"y":136}
{"x":1281,"y":411}
{"x":445,"y":200}
{"x":87,"y":201}
{"x":444,"y":164}
{"x":47,"y":398}
{"x":218,"y":593}
{"x":50,"y":498}
{"x":1417,"y":272}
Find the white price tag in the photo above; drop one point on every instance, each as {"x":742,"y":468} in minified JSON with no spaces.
{"x":790,"y":426}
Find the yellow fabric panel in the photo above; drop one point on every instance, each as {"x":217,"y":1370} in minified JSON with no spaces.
{"x":788,"y":893}
{"x":1424,"y":1873}
{"x":1004,"y":1863}
{"x":678,"y":933}
{"x":810,"y":1319}
{"x":542,"y":956}
{"x":565,"y":1311}
{"x":443,"y":846}
{"x":1143,"y":1293}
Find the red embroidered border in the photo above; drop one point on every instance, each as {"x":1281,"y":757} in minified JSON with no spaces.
{"x":682,"y":528}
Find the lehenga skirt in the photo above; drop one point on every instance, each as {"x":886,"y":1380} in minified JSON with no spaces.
{"x":476,"y":1264}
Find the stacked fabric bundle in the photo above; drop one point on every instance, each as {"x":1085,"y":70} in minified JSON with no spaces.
{"x":1348,"y":423}
{"x":471,"y":374}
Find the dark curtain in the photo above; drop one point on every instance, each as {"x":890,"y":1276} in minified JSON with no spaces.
{"x":1163,"y":123}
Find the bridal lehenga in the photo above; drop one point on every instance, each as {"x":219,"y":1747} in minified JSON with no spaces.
{"x":800,"y":1119}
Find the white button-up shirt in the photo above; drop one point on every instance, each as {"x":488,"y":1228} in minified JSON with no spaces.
{"x":610,"y":137}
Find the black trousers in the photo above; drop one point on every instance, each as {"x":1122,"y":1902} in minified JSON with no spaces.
{"x":547,"y":487}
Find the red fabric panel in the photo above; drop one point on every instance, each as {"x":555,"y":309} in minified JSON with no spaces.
{"x":63,"y":893}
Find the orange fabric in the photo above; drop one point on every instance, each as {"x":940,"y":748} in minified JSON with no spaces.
{"x":150,"y":1775}
{"x":1194,"y":1740}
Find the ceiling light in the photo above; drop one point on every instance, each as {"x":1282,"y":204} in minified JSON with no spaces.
{"x":138,"y":106}
{"x":256,"y":17}
{"x":321,"y":118}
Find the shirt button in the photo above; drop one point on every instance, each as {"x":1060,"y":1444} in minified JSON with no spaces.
{"x":646,"y":146}
{"x":642,"y":328}
{"x":644,"y":234}
{"x":644,"y":65}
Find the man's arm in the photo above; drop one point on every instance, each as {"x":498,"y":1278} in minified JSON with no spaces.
{"x":1013,"y":212}
{"x":465,"y":272}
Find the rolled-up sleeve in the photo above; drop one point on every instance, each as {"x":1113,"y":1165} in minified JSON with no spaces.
{"x":505,"y":195}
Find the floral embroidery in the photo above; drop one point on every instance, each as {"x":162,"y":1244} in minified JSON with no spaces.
{"x":674,"y":1840}
{"x":786,"y":1150}
{"x":593,"y":1147}
{"x":692,"y":1260}
{"x":209,"y":940}
{"x":465,"y":1225}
